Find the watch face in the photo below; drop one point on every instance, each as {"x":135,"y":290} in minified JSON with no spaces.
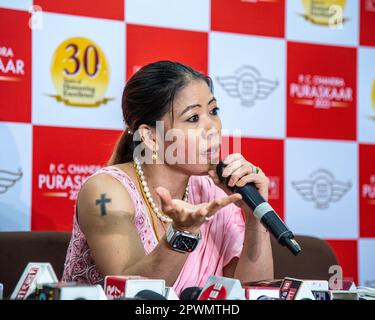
{"x":184,"y":243}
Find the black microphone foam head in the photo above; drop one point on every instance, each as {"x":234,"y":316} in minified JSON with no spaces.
{"x":190,"y":293}
{"x":149,"y":295}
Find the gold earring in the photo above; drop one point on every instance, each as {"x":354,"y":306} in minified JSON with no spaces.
{"x":154,"y":156}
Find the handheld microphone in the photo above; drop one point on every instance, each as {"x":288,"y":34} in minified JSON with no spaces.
{"x":263,"y":211}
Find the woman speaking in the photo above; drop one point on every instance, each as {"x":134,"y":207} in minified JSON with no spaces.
{"x":158,"y":209}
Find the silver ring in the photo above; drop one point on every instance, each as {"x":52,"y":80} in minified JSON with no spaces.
{"x":254,"y":169}
{"x":208,"y":218}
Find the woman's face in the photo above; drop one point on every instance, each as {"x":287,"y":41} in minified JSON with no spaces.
{"x":193,"y":135}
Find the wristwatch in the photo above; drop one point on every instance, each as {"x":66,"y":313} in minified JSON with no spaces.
{"x":182,"y":241}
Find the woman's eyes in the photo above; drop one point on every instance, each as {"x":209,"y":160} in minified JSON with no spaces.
{"x":215,"y":111}
{"x":195,"y":117}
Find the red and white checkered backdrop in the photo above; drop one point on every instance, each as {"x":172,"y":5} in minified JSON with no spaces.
{"x":296,"y":77}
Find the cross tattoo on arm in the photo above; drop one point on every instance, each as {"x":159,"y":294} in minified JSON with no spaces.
{"x":102,"y":202}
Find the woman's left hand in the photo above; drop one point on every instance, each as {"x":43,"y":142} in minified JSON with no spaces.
{"x":241,"y":172}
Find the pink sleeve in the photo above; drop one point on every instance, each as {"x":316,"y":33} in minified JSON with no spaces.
{"x":234,"y":233}
{"x":232,"y":225}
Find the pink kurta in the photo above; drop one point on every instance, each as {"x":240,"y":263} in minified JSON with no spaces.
{"x":222,"y":237}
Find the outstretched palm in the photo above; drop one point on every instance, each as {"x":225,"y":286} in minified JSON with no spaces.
{"x":190,"y":217}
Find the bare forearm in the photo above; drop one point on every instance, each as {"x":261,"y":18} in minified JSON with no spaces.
{"x":161,"y":263}
{"x":256,"y":261}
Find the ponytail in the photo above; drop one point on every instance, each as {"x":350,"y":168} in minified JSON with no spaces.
{"x":123,"y":151}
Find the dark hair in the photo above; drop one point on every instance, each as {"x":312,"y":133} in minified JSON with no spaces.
{"x":147,"y":97}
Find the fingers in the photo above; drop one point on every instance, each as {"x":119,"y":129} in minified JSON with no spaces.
{"x":165,"y":198}
{"x":182,"y":213}
{"x":200,"y":214}
{"x":218,"y":204}
{"x":256,"y":178}
{"x":241,"y":173}
{"x":237,"y":174}
{"x":238,"y":168}
{"x":209,"y":209}
{"x":232,"y":157}
{"x":261,"y":173}
{"x":233,"y":166}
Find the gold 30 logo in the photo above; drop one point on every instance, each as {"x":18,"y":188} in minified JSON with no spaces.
{"x":325,"y":12}
{"x":80,"y":73}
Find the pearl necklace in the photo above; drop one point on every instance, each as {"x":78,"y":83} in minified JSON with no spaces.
{"x":148,"y":197}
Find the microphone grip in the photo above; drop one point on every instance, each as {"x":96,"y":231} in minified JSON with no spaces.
{"x":250,"y":195}
{"x":275,"y":225}
{"x":280,"y":231}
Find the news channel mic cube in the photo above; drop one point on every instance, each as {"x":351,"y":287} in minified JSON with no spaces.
{"x":255,"y":289}
{"x":253,"y":293}
{"x":35,"y":273}
{"x":69,"y":291}
{"x":222,"y":288}
{"x":296,"y":289}
{"x":170,"y":294}
{"x":116,"y":287}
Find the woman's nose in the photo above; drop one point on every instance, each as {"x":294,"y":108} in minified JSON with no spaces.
{"x":210,"y":131}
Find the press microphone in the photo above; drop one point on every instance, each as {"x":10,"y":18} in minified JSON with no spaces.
{"x":34,"y":274}
{"x":149,"y":295}
{"x":68,"y":291}
{"x":268,"y":298}
{"x":143,"y":295}
{"x":190,"y":293}
{"x":222,"y":288}
{"x":269,"y":288}
{"x":116,"y":287}
{"x":170,"y":294}
{"x":263,"y":211}
{"x":297,"y":289}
